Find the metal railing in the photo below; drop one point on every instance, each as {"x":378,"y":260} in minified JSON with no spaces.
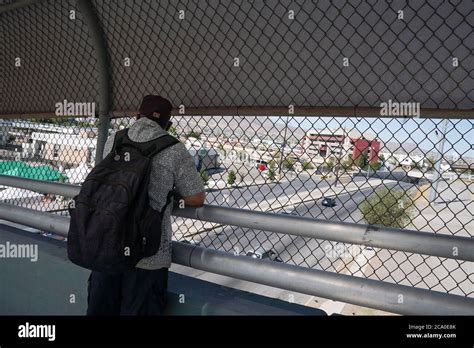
{"x":459,"y":248}
{"x":365,"y":292}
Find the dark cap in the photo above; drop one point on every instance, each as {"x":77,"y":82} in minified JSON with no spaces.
{"x":155,"y":103}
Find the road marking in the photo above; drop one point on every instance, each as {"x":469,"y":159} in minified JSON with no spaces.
{"x":309,"y":301}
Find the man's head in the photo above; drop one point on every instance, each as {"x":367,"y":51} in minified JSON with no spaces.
{"x":157,"y":107}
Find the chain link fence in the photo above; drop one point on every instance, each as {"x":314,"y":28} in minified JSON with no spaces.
{"x":255,"y":86}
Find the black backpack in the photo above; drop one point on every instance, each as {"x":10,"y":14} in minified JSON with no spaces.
{"x":112,"y":223}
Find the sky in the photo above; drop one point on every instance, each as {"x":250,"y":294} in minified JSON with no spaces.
{"x":459,"y":138}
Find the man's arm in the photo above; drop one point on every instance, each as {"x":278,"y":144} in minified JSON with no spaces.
{"x":188,"y":182}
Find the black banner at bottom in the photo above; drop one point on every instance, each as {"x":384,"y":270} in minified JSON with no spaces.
{"x":133,"y":331}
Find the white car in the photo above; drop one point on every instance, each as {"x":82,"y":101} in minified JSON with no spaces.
{"x":262,"y":254}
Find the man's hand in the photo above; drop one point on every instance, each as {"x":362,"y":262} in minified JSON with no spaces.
{"x":196,"y":200}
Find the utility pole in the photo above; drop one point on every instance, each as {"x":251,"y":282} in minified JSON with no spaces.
{"x":437,"y":166}
{"x":341,"y":155}
{"x":283,"y":149}
{"x":368,"y":159}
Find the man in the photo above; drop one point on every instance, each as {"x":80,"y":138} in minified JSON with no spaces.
{"x":142,"y":291}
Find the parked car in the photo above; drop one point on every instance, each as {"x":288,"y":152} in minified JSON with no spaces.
{"x":264,"y":254}
{"x":328,"y":202}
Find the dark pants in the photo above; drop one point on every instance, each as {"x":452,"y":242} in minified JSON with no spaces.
{"x":134,"y":292}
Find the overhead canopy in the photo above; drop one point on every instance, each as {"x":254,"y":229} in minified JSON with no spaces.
{"x":424,"y":57}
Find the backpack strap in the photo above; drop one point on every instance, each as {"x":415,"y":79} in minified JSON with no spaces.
{"x":147,"y":148}
{"x":118,"y":139}
{"x":168,"y":201}
{"x":158,"y":145}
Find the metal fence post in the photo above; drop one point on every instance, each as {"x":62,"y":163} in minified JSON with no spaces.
{"x":100,"y":48}
{"x":437,"y":168}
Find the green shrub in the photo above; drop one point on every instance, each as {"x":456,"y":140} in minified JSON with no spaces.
{"x":231,"y":177}
{"x":271,"y":175}
{"x":388,"y":207}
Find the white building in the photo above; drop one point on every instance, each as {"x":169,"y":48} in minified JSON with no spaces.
{"x":66,"y":148}
{"x":325,"y":143}
{"x":203,"y":153}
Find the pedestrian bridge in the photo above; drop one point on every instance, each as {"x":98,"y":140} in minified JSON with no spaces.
{"x":258,"y":77}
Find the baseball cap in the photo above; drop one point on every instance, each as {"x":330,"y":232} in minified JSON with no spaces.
{"x":156,"y":103}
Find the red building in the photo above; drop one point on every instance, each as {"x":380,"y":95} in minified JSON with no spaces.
{"x":328,"y":142}
{"x":371,"y":146}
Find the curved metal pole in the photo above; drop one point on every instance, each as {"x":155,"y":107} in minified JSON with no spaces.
{"x":98,"y":41}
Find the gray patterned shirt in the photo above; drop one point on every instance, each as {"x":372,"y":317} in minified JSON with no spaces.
{"x":172,"y":167}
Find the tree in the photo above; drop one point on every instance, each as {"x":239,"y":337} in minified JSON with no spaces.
{"x":231,"y":177}
{"x":362,"y":160}
{"x":193,"y":134}
{"x":330,"y":164}
{"x":288,"y":163}
{"x":306,"y":165}
{"x":347,"y":163}
{"x":388,"y":207}
{"x":173,"y":131}
{"x":375,"y":165}
{"x":272,"y":164}
{"x":204,"y":176}
{"x":271,"y":175}
{"x":66,"y":121}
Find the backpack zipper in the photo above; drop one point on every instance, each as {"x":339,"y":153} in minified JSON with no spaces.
{"x":110,"y":211}
{"x":119,"y":183}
